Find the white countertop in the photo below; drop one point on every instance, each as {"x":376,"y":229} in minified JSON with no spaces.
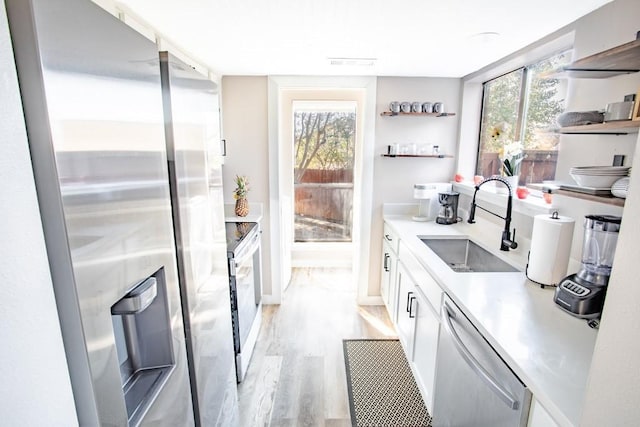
{"x":549,"y":350}
{"x":255,"y":213}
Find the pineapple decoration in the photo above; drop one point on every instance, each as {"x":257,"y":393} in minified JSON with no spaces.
{"x":240,"y":194}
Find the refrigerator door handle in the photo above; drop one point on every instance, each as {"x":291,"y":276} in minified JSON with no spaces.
{"x":138,"y":299}
{"x":473,"y":363}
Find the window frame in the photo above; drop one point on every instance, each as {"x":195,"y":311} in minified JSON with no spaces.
{"x":523,"y":103}
{"x":471,"y":84}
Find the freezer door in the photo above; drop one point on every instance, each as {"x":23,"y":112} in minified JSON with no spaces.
{"x":93,"y":107}
{"x":195,"y":175}
{"x":474,"y":387}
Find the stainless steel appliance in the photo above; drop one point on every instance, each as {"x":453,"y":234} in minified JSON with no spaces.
{"x":195,"y":178}
{"x":582,"y":294}
{"x":245,"y":282}
{"x":474,"y":387}
{"x":93,"y":110}
{"x":448,"y":213}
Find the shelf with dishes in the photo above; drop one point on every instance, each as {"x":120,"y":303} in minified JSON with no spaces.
{"x":579,"y":193}
{"x":604,"y":184}
{"x":432,"y":156}
{"x":391,"y":113}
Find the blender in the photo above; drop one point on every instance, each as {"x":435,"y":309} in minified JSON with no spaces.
{"x":448,"y":213}
{"x":582,"y":294}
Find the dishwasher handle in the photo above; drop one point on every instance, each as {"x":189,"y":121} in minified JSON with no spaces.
{"x":473,"y":363}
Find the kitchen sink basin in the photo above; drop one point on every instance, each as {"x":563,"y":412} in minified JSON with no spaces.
{"x":464,"y":256}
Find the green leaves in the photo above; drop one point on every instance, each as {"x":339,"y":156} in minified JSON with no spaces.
{"x":512,"y":167}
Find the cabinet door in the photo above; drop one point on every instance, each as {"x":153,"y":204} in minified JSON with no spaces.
{"x":388,"y":277}
{"x":406,"y":310}
{"x":425,"y":347}
{"x":385,"y":273}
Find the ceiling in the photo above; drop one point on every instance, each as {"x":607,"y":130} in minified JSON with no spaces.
{"x":446,"y":38}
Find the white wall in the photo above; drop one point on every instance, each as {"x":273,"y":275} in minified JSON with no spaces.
{"x":35,"y":387}
{"x":245,"y":127}
{"x":393,"y":178}
{"x":613,"y":390}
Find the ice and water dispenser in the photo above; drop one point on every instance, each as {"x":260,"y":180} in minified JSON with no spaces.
{"x":141,"y":326}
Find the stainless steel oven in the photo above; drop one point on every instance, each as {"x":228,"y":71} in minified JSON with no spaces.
{"x":245,"y":282}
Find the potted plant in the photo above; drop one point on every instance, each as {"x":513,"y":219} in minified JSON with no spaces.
{"x":510,"y":153}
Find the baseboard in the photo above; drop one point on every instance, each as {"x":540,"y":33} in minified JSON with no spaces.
{"x":370,"y":300}
{"x":270,"y":300}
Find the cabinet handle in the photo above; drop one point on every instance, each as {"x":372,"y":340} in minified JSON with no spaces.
{"x":411,"y":315}
{"x":474,"y":364}
{"x":386,"y":258}
{"x":389,"y":239}
{"x":409,"y":296}
{"x":224,"y":147}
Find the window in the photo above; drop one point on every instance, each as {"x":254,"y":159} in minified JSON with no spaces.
{"x":324,"y":154}
{"x":519,"y":109}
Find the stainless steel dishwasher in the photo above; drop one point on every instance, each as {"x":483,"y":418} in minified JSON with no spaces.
{"x":474,"y":386}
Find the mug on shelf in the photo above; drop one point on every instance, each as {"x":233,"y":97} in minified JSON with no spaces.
{"x":405,"y":107}
{"x":394,"y":107}
{"x":438,"y":107}
{"x":416,"y":107}
{"x":427,"y":107}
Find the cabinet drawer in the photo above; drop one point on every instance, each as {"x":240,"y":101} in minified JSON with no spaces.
{"x":391,"y":237}
{"x":422,"y":278}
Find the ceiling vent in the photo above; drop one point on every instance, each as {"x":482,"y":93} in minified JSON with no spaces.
{"x":353,"y":62}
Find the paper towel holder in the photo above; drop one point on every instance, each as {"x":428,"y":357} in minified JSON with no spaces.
{"x":526,"y":273}
{"x":554,"y":215}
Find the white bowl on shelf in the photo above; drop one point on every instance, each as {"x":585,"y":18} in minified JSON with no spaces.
{"x":595,"y":181}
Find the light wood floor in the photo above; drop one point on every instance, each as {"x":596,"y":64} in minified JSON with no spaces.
{"x":297,"y":376}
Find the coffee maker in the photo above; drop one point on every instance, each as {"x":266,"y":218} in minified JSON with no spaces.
{"x":448,"y":213}
{"x":582,"y":294}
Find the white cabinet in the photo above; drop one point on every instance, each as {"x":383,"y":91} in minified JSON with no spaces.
{"x":406,"y":311}
{"x":425,"y":346}
{"x":388,"y":278}
{"x":417,"y":320}
{"x":388,"y":275}
{"x":425,"y":303}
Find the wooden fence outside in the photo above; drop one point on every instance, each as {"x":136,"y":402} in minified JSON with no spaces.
{"x":537,"y":166}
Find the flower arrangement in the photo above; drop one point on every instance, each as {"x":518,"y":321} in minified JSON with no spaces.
{"x":510,"y":153}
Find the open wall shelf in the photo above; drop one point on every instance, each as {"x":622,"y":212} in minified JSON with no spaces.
{"x":433,"y":156}
{"x":391,"y":114}
{"x":610,"y":128}
{"x":623,"y":59}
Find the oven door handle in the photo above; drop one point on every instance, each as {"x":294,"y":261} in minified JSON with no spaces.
{"x":473,"y":362}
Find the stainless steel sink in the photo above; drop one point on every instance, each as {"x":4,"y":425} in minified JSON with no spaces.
{"x":464,"y":256}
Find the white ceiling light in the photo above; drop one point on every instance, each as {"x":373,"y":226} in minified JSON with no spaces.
{"x":484,"y":37}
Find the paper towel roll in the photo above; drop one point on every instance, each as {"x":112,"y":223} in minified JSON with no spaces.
{"x":550,"y":248}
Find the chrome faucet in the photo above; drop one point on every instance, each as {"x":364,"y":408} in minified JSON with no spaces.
{"x":507,"y":242}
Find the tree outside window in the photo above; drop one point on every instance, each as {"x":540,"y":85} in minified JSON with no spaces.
{"x":324,"y":155}
{"x":524,"y":104}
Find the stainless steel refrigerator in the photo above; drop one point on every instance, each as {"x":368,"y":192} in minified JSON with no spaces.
{"x":192,"y":129}
{"x":92,"y":99}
